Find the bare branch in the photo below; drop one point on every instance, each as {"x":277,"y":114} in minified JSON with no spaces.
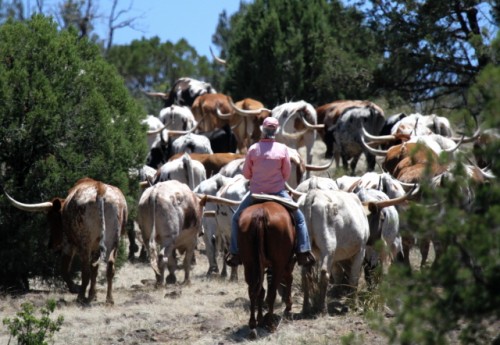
{"x":114,"y":22}
{"x":39,"y":6}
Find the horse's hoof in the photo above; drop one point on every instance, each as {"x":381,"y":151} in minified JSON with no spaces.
{"x":171,"y":279}
{"x":110,"y":302}
{"x":253,"y":334}
{"x":74,"y":288}
{"x":271,"y":322}
{"x":82,"y":301}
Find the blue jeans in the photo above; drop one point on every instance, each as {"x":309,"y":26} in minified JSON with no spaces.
{"x":303,"y":243}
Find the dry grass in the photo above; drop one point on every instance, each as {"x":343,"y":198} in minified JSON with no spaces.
{"x":209,"y":311}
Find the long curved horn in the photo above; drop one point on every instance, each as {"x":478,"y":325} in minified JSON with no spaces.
{"x":176,"y":133}
{"x":307,"y":124}
{"x":465,"y":140}
{"x":162,"y":95}
{"x":41,"y":207}
{"x":376,"y":152}
{"x":377,"y":138}
{"x":311,"y":167}
{"x":392,"y":202}
{"x":485,"y":173}
{"x":219,"y":200}
{"x":173,"y":132}
{"x":144,"y":184}
{"x":406,"y":186}
{"x":222,"y":115}
{"x":453,"y":149}
{"x":216,"y":58}
{"x":295,"y":193}
{"x":476,"y":134}
{"x":209,"y":214}
{"x":245,"y":112}
{"x":156,"y":131}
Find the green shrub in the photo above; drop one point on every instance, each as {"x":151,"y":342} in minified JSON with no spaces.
{"x":30,"y":330}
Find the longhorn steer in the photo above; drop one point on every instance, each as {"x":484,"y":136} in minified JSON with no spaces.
{"x":418,"y":124}
{"x":184,"y":92}
{"x":88,"y":223}
{"x":206,"y":107}
{"x":178,"y":118}
{"x":233,"y":168}
{"x":169,"y":216}
{"x":212,"y":162}
{"x":210,"y":187}
{"x":298,"y":171}
{"x":158,"y":146}
{"x":330,"y":113}
{"x":415,"y":162}
{"x":183,"y":169}
{"x":344,"y":137}
{"x":191,"y":143}
{"x":339,"y":232}
{"x":235,"y":190}
{"x":299,"y":132}
{"x":246,"y":120}
{"x":384,"y":227}
{"x":222,"y":139}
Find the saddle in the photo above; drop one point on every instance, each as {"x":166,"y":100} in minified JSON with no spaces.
{"x":288,"y":203}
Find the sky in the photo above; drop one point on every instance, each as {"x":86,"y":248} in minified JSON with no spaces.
{"x":171,"y":20}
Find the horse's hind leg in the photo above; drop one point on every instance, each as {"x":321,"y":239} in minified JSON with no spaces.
{"x":260,"y":303}
{"x":287,"y":291}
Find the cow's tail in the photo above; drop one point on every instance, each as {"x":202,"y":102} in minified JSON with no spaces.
{"x":188,"y":168}
{"x":309,"y":202}
{"x":102,"y":243}
{"x":153,"y":256}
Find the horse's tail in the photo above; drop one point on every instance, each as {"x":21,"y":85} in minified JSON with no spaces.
{"x":260,"y":225}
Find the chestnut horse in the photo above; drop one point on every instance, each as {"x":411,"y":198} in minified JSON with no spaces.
{"x":266,"y":239}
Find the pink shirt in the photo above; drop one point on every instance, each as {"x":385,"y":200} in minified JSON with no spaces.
{"x":267,"y":166}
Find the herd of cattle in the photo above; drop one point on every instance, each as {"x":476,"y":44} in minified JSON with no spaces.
{"x":192,"y":183}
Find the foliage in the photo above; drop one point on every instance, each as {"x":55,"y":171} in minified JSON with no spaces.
{"x":433,"y":49}
{"x":458,"y":293}
{"x":149,"y":64}
{"x":286,"y":50}
{"x":65,"y":114}
{"x":30,"y":330}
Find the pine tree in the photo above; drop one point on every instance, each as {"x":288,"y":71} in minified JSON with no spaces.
{"x":65,"y":114}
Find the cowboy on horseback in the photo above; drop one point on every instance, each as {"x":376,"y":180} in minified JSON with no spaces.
{"x":267,"y":166}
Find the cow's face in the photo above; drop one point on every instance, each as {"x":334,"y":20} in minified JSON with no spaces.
{"x":54,"y":217}
{"x":375,"y":219}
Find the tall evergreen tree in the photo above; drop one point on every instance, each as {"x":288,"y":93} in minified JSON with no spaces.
{"x":65,"y":114}
{"x":149,"y":64}
{"x":282,"y":50}
{"x":433,"y":49}
{"x":456,"y":299}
